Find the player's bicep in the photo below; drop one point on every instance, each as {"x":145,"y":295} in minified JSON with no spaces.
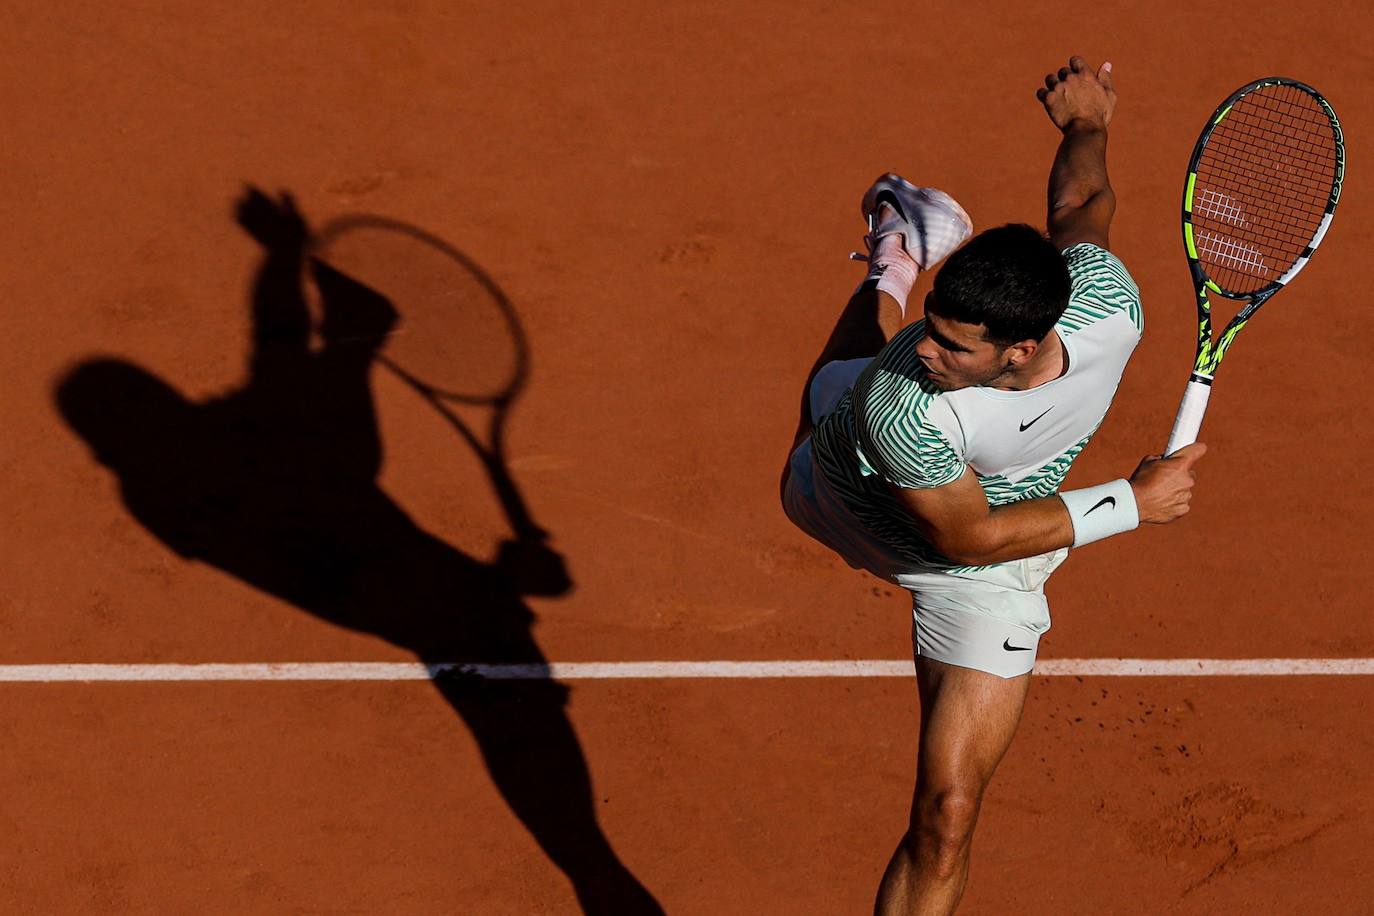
{"x":1073,"y":221}
{"x":952,"y":517}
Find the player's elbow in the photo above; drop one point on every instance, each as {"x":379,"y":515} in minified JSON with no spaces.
{"x":970,"y":557}
{"x":968,"y":547}
{"x":1082,"y":194}
{"x":1082,"y":218}
{"x":1082,"y":201}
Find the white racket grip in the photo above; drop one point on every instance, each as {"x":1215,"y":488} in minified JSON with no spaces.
{"x":1190,"y":411}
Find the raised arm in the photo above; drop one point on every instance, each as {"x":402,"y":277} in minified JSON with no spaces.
{"x":1080,"y":103}
{"x":281,"y":318}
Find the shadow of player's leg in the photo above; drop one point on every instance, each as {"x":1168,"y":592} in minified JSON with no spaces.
{"x":538,"y":765}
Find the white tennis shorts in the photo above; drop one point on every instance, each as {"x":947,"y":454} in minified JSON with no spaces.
{"x":990,"y":619}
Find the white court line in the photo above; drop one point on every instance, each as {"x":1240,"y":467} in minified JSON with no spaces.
{"x":573,"y":671}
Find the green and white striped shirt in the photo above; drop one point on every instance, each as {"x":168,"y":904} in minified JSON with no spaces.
{"x":896,"y":427}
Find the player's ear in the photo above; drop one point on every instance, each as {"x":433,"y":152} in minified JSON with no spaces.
{"x":1018,"y":354}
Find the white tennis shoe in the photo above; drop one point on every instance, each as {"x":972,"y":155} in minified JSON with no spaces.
{"x":930,"y":222}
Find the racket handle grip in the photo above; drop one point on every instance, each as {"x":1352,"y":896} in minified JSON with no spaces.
{"x":1190,"y":411}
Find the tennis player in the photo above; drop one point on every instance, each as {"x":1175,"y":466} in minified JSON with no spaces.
{"x":932,"y":454}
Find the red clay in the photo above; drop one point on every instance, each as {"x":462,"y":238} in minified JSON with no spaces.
{"x":666,"y":196}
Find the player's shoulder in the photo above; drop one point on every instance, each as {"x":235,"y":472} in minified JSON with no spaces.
{"x":895,"y":398}
{"x":897,"y":375}
{"x":1100,"y":287}
{"x":1084,"y":259}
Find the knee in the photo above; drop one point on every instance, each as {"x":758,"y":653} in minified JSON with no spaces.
{"x":943,"y":826}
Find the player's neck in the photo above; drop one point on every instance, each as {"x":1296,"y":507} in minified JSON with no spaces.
{"x":1051,"y":360}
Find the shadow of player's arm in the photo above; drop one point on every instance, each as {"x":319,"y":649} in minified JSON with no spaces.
{"x":281,"y":317}
{"x":357,"y":318}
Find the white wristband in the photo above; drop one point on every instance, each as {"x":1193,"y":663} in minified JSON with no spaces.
{"x":1102,"y":511}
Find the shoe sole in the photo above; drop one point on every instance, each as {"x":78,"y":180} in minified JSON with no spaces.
{"x":903,"y":196}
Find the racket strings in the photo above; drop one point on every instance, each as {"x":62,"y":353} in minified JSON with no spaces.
{"x":1264,"y":180}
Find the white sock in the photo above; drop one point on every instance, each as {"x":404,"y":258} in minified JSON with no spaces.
{"x":893,"y":268}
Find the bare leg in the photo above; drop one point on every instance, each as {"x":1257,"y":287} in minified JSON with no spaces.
{"x":968,"y":719}
{"x":868,"y":322}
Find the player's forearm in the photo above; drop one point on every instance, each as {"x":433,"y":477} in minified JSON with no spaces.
{"x":280,"y":313}
{"x":1014,"y":531}
{"x":1079,"y":174}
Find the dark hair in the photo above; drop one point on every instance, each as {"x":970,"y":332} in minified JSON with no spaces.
{"x":1010,"y":279}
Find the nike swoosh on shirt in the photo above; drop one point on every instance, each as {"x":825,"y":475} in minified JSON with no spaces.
{"x":1006,"y":644}
{"x":1026,"y":426}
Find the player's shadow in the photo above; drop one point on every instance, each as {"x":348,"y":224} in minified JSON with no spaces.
{"x":275,"y":482}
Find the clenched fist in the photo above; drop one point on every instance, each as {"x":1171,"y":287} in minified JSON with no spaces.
{"x":1164,"y":486}
{"x":1077,"y":94}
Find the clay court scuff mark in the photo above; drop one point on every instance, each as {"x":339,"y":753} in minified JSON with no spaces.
{"x":714,"y":540}
{"x":1234,"y":859}
{"x":716,"y":618}
{"x":768,"y":559}
{"x":351,"y":188}
{"x":696,"y":251}
{"x":1224,"y":817}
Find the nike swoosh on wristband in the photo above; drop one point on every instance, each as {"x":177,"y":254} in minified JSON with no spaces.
{"x":1025,"y":426}
{"x":1100,"y":503}
{"x":1006,"y":644}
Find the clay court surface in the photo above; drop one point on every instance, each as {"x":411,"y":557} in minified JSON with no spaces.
{"x":665,"y":197}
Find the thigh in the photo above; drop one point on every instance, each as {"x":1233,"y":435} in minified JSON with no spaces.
{"x":859,"y":332}
{"x":968,"y":719}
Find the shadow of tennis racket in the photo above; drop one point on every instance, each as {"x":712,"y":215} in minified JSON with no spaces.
{"x":458,"y":342}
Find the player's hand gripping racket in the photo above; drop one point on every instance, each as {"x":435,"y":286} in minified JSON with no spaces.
{"x":1262,"y":188}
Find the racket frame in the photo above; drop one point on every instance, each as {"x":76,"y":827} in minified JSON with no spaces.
{"x":492,"y":451}
{"x":340,"y":226}
{"x":1210,"y":349}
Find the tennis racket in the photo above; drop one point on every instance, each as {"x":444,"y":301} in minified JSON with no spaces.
{"x":457,"y":340}
{"x":1262,"y":188}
